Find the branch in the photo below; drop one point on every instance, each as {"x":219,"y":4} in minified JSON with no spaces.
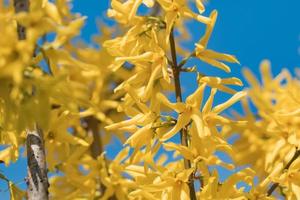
{"x":21,"y":6}
{"x":37,"y":180}
{"x":183,"y":132}
{"x":182,"y":63}
{"x":275,"y":185}
{"x":96,"y":146}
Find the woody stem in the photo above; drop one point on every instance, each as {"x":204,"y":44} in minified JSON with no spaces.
{"x":183,"y":132}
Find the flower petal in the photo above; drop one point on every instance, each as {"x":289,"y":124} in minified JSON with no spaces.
{"x":219,"y":108}
{"x":182,"y":121}
{"x":178,"y":107}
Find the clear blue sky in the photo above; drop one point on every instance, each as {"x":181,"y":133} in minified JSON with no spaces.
{"x":250,"y":29}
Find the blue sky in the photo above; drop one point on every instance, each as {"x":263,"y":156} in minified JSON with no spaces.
{"x":252,"y":30}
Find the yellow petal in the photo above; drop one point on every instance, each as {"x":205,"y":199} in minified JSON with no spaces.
{"x":5,"y":156}
{"x":251,"y":79}
{"x":52,"y":11}
{"x":296,"y":190}
{"x":198,"y":121}
{"x":66,"y":33}
{"x":219,"y":108}
{"x":64,"y":136}
{"x":185,"y":192}
{"x":122,"y":155}
{"x":134,"y":8}
{"x":148,"y":56}
{"x":125,"y":123}
{"x":148,"y":3}
{"x":220,"y":56}
{"x":209,"y":29}
{"x":185,"y":174}
{"x":232,"y":81}
{"x":266,"y":72}
{"x":214,"y":63}
{"x":178,"y":107}
{"x":208,"y":105}
{"x":141,"y":137}
{"x":200,"y":18}
{"x":284,"y":113}
{"x":15,"y":192}
{"x":219,"y":83}
{"x":184,"y":151}
{"x":195,"y":99}
{"x":182,"y":121}
{"x":148,"y":91}
{"x":200,"y":6}
{"x":158,"y":186}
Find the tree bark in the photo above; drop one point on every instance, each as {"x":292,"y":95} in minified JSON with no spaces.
{"x":21,"y":6}
{"x":37,"y":180}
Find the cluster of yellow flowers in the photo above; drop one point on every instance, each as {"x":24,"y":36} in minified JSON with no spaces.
{"x":82,"y":97}
{"x":146,"y":46}
{"x":59,"y":85}
{"x":270,"y":141}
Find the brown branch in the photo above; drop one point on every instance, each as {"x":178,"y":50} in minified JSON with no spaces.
{"x":96,"y":146}
{"x":21,"y":6}
{"x":93,"y":127}
{"x":183,"y":132}
{"x":275,"y":185}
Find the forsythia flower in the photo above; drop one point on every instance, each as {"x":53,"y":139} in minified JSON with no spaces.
{"x":209,"y":56}
{"x":271,"y":137}
{"x":190,"y":111}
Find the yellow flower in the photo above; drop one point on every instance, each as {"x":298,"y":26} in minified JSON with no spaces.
{"x":125,"y":13}
{"x":66,"y":33}
{"x":209,"y":56}
{"x":227,"y":189}
{"x":190,"y":110}
{"x":290,"y":180}
{"x":179,"y":8}
{"x":140,"y":136}
{"x":220,"y":83}
{"x":173,"y":185}
{"x":9,"y":154}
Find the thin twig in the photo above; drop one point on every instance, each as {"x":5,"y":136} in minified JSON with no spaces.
{"x":93,"y":125}
{"x":275,"y":185}
{"x":182,"y":63}
{"x":96,"y":146}
{"x":183,"y":132}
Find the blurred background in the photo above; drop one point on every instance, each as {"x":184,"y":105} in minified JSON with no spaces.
{"x":252,"y":30}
